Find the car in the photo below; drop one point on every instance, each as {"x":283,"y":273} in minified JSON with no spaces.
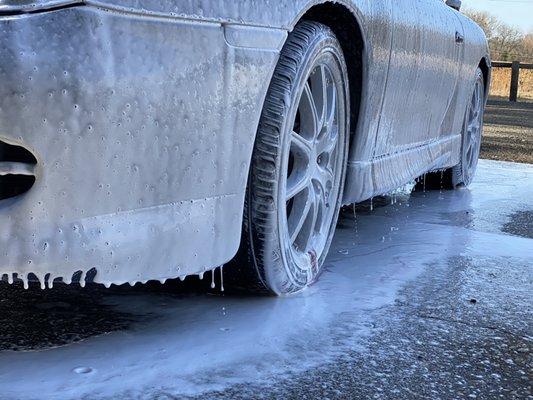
{"x":147,"y":140}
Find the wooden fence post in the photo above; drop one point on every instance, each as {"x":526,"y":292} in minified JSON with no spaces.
{"x":515,"y":73}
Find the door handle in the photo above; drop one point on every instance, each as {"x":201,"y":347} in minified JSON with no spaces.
{"x":459,"y":38}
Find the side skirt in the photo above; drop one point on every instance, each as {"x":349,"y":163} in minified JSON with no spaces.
{"x":381,"y":175}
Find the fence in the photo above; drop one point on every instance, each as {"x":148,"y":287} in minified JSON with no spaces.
{"x":515,"y":66}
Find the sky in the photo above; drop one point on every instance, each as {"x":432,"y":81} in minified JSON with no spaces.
{"x":517,"y":13}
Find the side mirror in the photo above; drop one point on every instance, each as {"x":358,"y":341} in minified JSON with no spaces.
{"x":455,"y":4}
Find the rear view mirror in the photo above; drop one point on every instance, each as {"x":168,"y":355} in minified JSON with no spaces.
{"x":455,"y":4}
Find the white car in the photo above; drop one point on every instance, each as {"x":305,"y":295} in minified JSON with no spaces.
{"x":154,"y":139}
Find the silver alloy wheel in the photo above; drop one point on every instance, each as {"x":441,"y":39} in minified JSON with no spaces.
{"x":312,"y":172}
{"x":463,"y":173}
{"x":473,"y":129}
{"x":298,"y":166}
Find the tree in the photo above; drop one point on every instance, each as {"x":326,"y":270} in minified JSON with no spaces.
{"x":486,"y":21}
{"x":527,"y":47}
{"x":506,"y":42}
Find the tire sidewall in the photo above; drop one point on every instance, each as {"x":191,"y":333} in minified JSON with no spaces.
{"x":286,"y":277}
{"x":461,"y":175}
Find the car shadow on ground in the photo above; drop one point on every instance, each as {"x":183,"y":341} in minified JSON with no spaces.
{"x":36,"y":319}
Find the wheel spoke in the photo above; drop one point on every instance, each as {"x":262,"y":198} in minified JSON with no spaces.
{"x":468,"y":149}
{"x":309,"y":118}
{"x":477,"y":96}
{"x":321,"y":203}
{"x":324,"y":180}
{"x":296,"y":183}
{"x":305,"y":233}
{"x":300,"y":213}
{"x":328,"y":141}
{"x":319,"y":83}
{"x":472,"y":115}
{"x":475,"y":139}
{"x":299,"y":176}
{"x":331,"y":107}
{"x":314,"y":216}
{"x":472,"y":127}
{"x":302,"y":146}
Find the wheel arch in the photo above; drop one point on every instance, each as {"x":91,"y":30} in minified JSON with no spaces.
{"x":345,"y":22}
{"x":485,"y":67}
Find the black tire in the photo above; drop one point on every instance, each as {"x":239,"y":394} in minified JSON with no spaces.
{"x":463,"y":173}
{"x":264,"y":260}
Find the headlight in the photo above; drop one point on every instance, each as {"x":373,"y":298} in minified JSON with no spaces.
{"x":25,"y":6}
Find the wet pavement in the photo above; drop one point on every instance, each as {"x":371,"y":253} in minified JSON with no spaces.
{"x":427,"y":295}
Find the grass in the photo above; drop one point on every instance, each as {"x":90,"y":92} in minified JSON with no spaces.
{"x":501,"y":82}
{"x":508,"y":133}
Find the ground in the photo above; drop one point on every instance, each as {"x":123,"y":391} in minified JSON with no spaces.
{"x":508,"y":133}
{"x":428,"y":295}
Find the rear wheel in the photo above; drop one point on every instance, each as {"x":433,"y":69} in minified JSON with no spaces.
{"x":463,"y":173}
{"x":298,"y":165}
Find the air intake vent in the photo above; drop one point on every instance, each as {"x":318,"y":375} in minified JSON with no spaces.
{"x":17,"y":170}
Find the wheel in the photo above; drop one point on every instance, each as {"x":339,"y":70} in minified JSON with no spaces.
{"x":298,"y":165}
{"x":463,"y":173}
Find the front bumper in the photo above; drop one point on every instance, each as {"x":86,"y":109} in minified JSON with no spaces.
{"x":142,"y":128}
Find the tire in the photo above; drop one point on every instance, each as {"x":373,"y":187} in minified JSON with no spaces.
{"x":463,"y":173}
{"x":298,"y":166}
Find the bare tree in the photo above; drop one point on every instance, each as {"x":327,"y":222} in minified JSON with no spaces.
{"x":506,"y":42}
{"x":486,"y":21}
{"x":527,"y":47}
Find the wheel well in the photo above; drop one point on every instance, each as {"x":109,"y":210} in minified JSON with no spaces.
{"x":348,"y":31}
{"x":483,"y":65}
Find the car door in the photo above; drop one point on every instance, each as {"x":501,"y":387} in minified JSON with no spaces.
{"x":422,"y":76}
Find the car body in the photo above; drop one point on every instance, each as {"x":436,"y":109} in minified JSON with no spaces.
{"x":141,"y":117}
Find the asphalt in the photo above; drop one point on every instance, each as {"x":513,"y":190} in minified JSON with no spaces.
{"x":462,"y":331}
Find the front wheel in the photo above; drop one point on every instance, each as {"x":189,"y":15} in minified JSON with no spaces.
{"x":298,"y":165}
